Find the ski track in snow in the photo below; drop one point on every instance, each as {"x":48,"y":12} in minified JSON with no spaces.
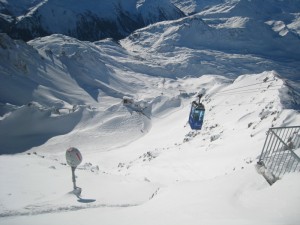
{"x":86,"y":203}
{"x":44,"y":209}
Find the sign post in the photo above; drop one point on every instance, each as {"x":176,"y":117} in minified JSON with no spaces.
{"x":74,"y":158}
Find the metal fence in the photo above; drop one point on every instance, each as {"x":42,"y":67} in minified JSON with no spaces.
{"x":281,"y":151}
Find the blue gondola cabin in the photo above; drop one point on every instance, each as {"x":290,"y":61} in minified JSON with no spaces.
{"x":196,"y":115}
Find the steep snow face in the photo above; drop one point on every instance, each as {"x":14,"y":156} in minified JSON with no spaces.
{"x":88,"y":20}
{"x":155,"y":10}
{"x":17,"y":7}
{"x":28,"y":76}
{"x":193,"y":6}
{"x":100,"y":68}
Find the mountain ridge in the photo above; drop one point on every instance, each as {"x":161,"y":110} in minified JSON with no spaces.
{"x":91,"y":20}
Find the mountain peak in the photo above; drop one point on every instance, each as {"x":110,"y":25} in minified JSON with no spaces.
{"x":89,"y":20}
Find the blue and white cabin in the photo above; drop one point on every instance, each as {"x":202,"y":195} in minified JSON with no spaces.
{"x":196,"y":115}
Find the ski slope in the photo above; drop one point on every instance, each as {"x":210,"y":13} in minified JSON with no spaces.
{"x":167,"y":174}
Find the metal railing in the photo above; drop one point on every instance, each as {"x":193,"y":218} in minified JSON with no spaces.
{"x":281,"y":151}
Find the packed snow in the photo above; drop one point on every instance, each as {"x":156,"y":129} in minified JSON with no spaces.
{"x":125,"y":106}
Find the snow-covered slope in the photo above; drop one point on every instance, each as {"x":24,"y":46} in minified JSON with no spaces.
{"x":67,"y":79}
{"x":190,"y":46}
{"x":281,"y":15}
{"x":88,"y":20}
{"x":139,"y":164}
{"x":62,"y":80}
{"x":236,"y":35}
{"x":172,"y":172}
{"x":254,"y":9}
{"x":142,"y":164}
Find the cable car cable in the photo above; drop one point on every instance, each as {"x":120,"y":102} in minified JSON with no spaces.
{"x":248,"y":85}
{"x":248,"y":90}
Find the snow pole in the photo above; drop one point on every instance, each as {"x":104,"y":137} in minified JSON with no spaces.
{"x":74,"y":158}
{"x":74,"y":178}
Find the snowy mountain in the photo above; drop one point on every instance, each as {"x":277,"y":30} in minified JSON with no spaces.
{"x":89,"y":20}
{"x":207,"y":49}
{"x":269,"y":9}
{"x":158,"y":168}
{"x":236,"y":34}
{"x":125,"y":105}
{"x":282,"y":15}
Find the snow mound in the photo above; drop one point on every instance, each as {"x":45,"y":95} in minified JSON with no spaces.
{"x":32,"y":125}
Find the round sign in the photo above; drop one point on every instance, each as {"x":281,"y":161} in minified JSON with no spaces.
{"x":73,"y":157}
